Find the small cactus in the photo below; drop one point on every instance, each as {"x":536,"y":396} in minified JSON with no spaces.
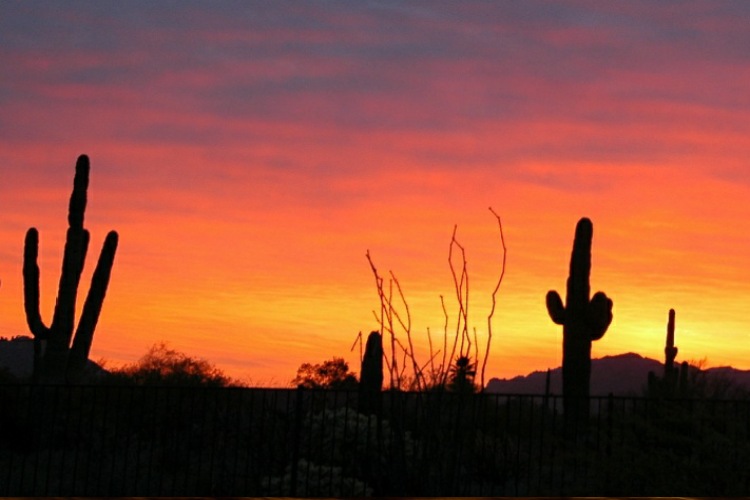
{"x":673,"y":381}
{"x":371,"y":375}
{"x":59,"y":361}
{"x":584,"y":320}
{"x":670,"y":351}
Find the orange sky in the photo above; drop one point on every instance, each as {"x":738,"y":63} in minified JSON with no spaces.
{"x":250,"y":154}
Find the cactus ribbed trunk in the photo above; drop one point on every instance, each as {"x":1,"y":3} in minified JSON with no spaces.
{"x":55,"y":360}
{"x":584,"y":320}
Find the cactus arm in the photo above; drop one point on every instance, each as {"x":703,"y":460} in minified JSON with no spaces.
{"x":599,"y":315}
{"x":555,"y":307}
{"x":77,"y":206}
{"x":85,"y":238}
{"x":31,"y":285}
{"x":92,"y":308}
{"x":74,"y":256}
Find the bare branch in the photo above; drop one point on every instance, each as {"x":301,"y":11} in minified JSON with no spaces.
{"x":432,"y":357}
{"x":390,"y":318}
{"x":387,"y":362}
{"x":494,"y":296}
{"x":389,"y":310}
{"x":476,"y":346}
{"x":459,"y":285}
{"x":407,"y":329}
{"x":358,"y":338}
{"x":385,"y":317}
{"x":445,"y":336}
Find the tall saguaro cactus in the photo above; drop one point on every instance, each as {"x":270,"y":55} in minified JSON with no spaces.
{"x":60,"y":361}
{"x":584,"y":320}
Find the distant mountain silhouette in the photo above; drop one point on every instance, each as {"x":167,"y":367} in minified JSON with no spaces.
{"x":17,"y":356}
{"x":621,"y":375}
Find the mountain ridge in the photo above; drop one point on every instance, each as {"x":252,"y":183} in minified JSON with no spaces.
{"x":621,"y":375}
{"x":17,"y":357}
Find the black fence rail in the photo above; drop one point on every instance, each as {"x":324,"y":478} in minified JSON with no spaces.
{"x":176,"y":441}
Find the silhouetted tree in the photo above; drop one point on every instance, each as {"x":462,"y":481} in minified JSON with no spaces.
{"x":164,"y":366}
{"x":331,"y":374}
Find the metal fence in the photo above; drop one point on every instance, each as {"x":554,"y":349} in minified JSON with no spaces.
{"x":177,"y":441}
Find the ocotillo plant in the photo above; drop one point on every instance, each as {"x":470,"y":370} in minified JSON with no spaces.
{"x":371,"y":375}
{"x":396,"y":316}
{"x":584,"y":320}
{"x":59,"y":360}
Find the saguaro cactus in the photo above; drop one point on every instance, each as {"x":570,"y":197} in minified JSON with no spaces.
{"x":371,"y":375}
{"x":59,"y":361}
{"x":670,"y":351}
{"x":670,"y":384}
{"x":584,"y":320}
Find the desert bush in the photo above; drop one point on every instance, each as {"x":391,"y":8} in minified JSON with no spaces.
{"x":162,"y":365}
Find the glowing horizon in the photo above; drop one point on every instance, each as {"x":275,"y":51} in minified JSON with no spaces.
{"x":250,"y":155}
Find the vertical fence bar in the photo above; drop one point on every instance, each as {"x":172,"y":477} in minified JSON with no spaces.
{"x":296,"y":440}
{"x":35,"y":439}
{"x":88,"y":469}
{"x":608,"y":444}
{"x":271,"y":409}
{"x":554,"y":437}
{"x":529,"y":463}
{"x":251,"y":483}
{"x":211,"y":431}
{"x":129,"y":467}
{"x":114,"y":401}
{"x":536,"y":487}
{"x":10,"y":412}
{"x":38,"y":440}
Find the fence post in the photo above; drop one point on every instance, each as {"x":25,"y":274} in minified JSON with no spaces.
{"x":296,"y":433}
{"x":610,"y":411}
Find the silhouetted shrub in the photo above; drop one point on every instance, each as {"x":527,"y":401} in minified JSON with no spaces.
{"x":331,"y":374}
{"x":461,"y":375}
{"x":164,"y":366}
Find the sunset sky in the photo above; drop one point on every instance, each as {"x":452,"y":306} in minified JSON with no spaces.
{"x":250,"y":153}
